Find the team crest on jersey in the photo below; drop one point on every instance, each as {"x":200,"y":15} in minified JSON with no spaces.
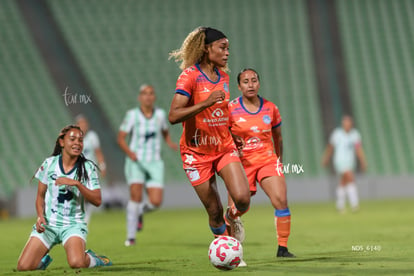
{"x":53,"y":176}
{"x":266,"y":119}
{"x":64,"y":195}
{"x":226,"y":87}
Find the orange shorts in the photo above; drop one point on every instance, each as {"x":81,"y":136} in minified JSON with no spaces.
{"x":255,"y":173}
{"x":201,"y":167}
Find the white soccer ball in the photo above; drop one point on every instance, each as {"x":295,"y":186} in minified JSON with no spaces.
{"x":225,"y":253}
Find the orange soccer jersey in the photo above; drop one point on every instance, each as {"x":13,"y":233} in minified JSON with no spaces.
{"x":207,"y":132}
{"x":256,"y":130}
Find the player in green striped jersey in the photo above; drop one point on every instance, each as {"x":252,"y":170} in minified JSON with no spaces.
{"x":147,"y":126}
{"x":65,"y":180}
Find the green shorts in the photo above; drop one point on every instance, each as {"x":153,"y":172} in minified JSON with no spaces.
{"x":149,"y":173}
{"x":60,"y":234}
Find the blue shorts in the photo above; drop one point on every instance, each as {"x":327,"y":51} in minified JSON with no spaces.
{"x":60,"y":234}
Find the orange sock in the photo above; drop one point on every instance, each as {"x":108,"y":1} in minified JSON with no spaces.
{"x":282,"y":223}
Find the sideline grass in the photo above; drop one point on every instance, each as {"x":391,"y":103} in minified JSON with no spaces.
{"x":377,"y":240}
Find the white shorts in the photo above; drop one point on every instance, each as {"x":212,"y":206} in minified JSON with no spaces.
{"x":342,"y":167}
{"x":55,"y":235}
{"x":149,"y":173}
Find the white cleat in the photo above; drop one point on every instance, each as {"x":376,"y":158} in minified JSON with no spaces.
{"x":237,"y":228}
{"x":130,"y":242}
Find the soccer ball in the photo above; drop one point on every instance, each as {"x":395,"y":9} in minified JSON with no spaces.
{"x":225,"y":253}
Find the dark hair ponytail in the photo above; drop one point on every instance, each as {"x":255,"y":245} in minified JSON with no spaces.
{"x":81,"y":173}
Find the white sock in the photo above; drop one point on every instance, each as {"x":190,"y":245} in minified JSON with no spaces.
{"x":134,"y":209}
{"x":352,"y":193}
{"x":340,"y":198}
{"x":149,"y":207}
{"x":92,"y":262}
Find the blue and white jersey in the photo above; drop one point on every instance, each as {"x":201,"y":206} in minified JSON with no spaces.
{"x":146,"y":133}
{"x":64,"y":204}
{"x":345,"y":144}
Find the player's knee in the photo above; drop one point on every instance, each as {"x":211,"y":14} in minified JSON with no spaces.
{"x":279,"y":202}
{"x":21,"y":266}
{"x":156,"y":203}
{"x":77,"y":262}
{"x":242,"y":203}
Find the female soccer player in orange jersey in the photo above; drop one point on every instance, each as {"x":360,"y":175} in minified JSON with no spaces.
{"x":200,"y":103}
{"x":258,"y":122}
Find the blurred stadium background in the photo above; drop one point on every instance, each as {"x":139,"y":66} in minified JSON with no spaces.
{"x":318,"y":59}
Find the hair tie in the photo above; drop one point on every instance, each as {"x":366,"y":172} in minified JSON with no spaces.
{"x":212,"y":35}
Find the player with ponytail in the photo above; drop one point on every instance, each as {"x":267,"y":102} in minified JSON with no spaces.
{"x":200,"y":103}
{"x":66,"y":179}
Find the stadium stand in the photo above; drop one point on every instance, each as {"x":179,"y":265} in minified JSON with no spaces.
{"x":121,"y":46}
{"x":31,"y":110}
{"x":378,"y":38}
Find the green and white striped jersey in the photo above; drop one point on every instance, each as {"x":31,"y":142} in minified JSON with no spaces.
{"x":64,"y":204}
{"x":146,"y":133}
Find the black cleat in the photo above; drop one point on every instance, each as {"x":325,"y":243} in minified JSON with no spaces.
{"x":140,"y":223}
{"x":283,"y":252}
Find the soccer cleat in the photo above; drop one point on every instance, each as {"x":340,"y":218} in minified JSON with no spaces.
{"x":140,"y":223}
{"x":283,"y":252}
{"x":100,"y":260}
{"x":341,"y":211}
{"x":236,"y":226}
{"x":130,"y":242}
{"x":45,"y":262}
{"x":242,"y":263}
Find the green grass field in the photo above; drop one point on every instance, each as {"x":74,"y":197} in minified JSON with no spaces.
{"x":377,"y":240}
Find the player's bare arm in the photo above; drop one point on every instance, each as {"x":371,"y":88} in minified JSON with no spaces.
{"x":278,"y":142}
{"x":92,"y":196}
{"x":40,"y":207}
{"x":239,"y":141}
{"x":361,"y":157}
{"x":167,"y":138}
{"x":124,"y":146}
{"x":180,"y":112}
{"x":327,"y":155}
